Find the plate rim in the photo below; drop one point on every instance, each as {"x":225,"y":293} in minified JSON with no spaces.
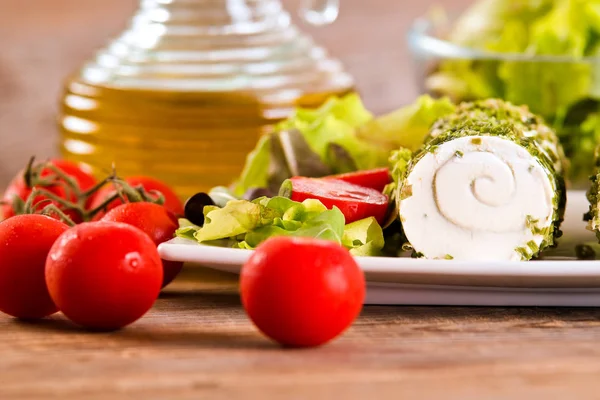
{"x":549,"y":272}
{"x":180,"y":249}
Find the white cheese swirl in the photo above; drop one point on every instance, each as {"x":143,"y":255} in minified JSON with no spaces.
{"x":477,"y":198}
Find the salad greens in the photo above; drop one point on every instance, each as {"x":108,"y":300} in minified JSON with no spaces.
{"x":244,"y":216}
{"x":303,"y":145}
{"x":364,"y":237}
{"x":245,"y":224}
{"x":399,"y":163}
{"x":340,"y":136}
{"x":406,"y":127}
{"x":566,"y":93}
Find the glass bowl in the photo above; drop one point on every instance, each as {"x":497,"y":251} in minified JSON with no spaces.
{"x":562,"y":89}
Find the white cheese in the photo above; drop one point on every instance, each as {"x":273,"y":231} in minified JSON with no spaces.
{"x":474,"y":198}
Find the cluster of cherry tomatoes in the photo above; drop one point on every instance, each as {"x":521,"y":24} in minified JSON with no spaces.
{"x":89,"y":249}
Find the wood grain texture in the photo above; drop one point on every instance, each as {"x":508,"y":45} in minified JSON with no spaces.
{"x":196,"y":343}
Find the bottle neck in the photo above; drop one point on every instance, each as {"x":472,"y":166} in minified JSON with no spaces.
{"x":216,"y":46}
{"x":209,"y":12}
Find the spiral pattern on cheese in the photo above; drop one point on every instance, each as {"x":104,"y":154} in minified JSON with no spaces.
{"x":476,"y":198}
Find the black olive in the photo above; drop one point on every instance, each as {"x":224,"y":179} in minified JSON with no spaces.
{"x":194,"y":207}
{"x":585,"y":252}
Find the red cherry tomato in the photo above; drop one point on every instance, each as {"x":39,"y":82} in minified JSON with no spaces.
{"x":25,"y":241}
{"x":302,"y":291}
{"x":172,"y":201}
{"x":355,"y":202}
{"x":19,"y":188}
{"x":104,"y":275}
{"x":156,"y":222}
{"x":374,"y":178}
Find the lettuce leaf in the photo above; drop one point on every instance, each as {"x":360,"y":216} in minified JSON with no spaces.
{"x":246,"y":224}
{"x":399,"y":161}
{"x":236,"y":218}
{"x":335,"y":123}
{"x":301,"y":145}
{"x":561,"y":31}
{"x":550,"y":89}
{"x":340,"y":136}
{"x":329,"y":225}
{"x":186,"y":229}
{"x":408,"y":126}
{"x":485,"y":23}
{"x":544,"y":89}
{"x":251,"y":222}
{"x":589,"y":140}
{"x":364,"y":237}
{"x":256,"y":172}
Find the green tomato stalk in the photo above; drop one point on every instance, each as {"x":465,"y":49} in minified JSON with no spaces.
{"x":37,"y":178}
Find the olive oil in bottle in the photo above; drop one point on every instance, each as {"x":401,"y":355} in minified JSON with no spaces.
{"x":184,"y":93}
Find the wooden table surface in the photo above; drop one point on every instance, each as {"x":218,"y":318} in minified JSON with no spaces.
{"x":197,"y":343}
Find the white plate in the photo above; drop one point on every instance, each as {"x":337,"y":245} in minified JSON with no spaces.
{"x":395,"y":294}
{"x":558,"y":279}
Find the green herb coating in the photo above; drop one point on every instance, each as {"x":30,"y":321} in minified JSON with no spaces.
{"x":494,"y":117}
{"x":593,"y":196}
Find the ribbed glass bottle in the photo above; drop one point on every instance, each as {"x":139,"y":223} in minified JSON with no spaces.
{"x":185,"y":91}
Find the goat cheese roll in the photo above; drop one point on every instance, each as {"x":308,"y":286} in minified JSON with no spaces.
{"x":487,"y":185}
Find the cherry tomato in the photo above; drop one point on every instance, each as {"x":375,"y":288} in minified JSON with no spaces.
{"x":301,"y":291}
{"x":156,"y":222}
{"x":104,"y":275}
{"x":355,"y":202}
{"x":172,"y":201}
{"x":374,"y":178}
{"x":25,"y":241}
{"x":19,"y":188}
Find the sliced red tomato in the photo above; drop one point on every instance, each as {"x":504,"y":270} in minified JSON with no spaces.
{"x":18,"y":188}
{"x":355,"y":202}
{"x":373,"y":178}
